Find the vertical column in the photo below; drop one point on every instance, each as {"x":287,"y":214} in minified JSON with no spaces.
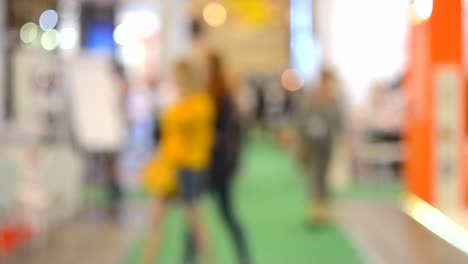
{"x":165,"y":8}
{"x":175,"y":35}
{"x":303,"y":44}
{"x":323,"y":28}
{"x":3,"y":46}
{"x":69,"y":28}
{"x":436,"y":118}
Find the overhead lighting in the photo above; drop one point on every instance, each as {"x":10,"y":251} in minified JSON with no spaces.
{"x":68,"y":38}
{"x":421,"y":10}
{"x":136,"y":25}
{"x":48,"y":20}
{"x":215,"y":14}
{"x":121,"y":34}
{"x":292,"y":80}
{"x":132,"y":54}
{"x":50,"y":40}
{"x":28,"y":32}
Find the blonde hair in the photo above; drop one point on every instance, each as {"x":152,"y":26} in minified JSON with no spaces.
{"x":186,"y":77}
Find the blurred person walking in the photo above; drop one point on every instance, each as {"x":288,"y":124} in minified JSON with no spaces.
{"x":261,"y":108}
{"x":97,"y":122}
{"x":224,"y":158}
{"x":319,"y":124}
{"x":181,"y":161}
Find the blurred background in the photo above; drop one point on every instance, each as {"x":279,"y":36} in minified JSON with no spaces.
{"x":83,"y":84}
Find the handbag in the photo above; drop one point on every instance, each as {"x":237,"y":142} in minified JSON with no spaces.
{"x":160,"y":177}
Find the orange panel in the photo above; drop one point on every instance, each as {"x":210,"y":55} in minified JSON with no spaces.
{"x":437,"y":41}
{"x":418,"y":91}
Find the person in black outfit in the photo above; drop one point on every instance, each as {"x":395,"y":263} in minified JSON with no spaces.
{"x":261,"y":105}
{"x":224,"y":159}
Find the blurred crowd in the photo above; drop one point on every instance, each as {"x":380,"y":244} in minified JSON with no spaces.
{"x":178,"y":137}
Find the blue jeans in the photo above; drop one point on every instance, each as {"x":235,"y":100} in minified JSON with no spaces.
{"x":190,"y":184}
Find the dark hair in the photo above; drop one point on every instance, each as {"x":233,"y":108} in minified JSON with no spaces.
{"x":217,"y":80}
{"x":196,"y":28}
{"x":119,"y":70}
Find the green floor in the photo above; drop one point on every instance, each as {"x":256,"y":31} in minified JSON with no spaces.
{"x":271,"y":201}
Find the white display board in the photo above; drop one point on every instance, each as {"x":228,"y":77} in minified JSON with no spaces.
{"x":96,"y":104}
{"x":447,"y":137}
{"x":31,"y":68}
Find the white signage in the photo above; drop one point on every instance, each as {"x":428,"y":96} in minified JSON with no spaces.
{"x":97,"y":114}
{"x":446,"y":137}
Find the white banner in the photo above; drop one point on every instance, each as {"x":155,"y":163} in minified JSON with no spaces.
{"x":446,"y":137}
{"x":96,"y":106}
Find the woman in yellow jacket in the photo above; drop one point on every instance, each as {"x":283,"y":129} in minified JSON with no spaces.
{"x":182,"y":159}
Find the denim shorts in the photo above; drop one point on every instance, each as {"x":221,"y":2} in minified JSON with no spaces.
{"x":190,"y":185}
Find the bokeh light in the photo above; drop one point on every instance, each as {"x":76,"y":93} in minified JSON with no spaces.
{"x":50,"y":39}
{"x":28,"y":32}
{"x":132,"y":54}
{"x":121,"y":34}
{"x":48,"y":20}
{"x":292,"y":80}
{"x":141,"y":24}
{"x":68,"y":38}
{"x":423,"y":9}
{"x":215,"y":14}
{"x":137,"y":25}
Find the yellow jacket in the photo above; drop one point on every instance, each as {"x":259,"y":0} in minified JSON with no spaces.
{"x":188,"y":131}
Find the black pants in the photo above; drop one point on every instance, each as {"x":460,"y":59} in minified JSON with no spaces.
{"x":102,"y":168}
{"x":222,"y":193}
{"x":317,"y":161}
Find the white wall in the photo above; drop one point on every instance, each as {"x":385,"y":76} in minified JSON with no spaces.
{"x":365,"y":40}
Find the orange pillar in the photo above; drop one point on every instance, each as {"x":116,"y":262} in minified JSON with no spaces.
{"x":435,"y":93}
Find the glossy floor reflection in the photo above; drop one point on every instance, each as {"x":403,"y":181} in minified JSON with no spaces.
{"x":386,"y":235}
